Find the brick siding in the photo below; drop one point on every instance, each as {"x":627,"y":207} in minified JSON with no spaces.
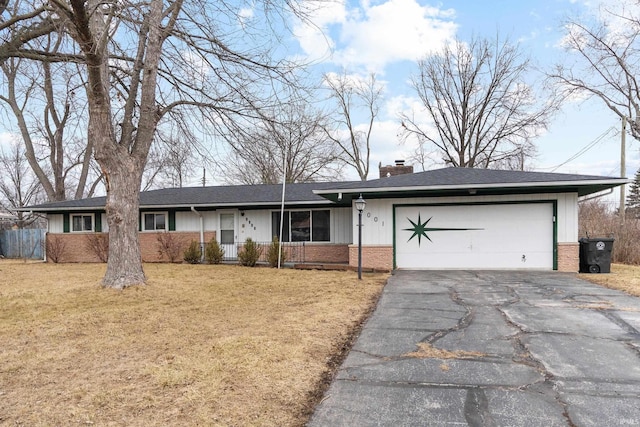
{"x":332,"y":253}
{"x":379,"y":257}
{"x":569,"y":257}
{"x":76,"y":248}
{"x":149,"y":243}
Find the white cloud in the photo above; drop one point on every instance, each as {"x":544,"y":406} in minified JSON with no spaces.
{"x":373,"y":35}
{"x":6,"y":139}
{"x":313,"y":38}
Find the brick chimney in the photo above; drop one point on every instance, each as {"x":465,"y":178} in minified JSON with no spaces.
{"x":392,"y":170}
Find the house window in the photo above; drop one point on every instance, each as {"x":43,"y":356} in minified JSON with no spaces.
{"x":320,"y":231}
{"x":227,"y":228}
{"x":300,"y":226}
{"x":82,"y":222}
{"x":303,"y":226}
{"x":154,"y":221}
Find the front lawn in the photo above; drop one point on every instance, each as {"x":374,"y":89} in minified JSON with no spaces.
{"x":200,"y":345}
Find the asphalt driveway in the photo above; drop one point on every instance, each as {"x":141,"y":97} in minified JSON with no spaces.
{"x":491,"y":348}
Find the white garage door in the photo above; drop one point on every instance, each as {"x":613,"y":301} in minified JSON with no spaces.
{"x":506,"y":236}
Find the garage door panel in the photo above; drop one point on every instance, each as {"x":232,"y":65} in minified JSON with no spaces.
{"x":475,"y":236}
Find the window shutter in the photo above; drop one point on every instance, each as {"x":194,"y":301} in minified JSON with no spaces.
{"x":172,"y":220}
{"x":98,"y":222}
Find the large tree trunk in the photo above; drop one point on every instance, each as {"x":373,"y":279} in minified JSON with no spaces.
{"x":122,"y":159}
{"x":124,"y":267}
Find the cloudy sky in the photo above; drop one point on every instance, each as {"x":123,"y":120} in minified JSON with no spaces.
{"x":388,"y":37}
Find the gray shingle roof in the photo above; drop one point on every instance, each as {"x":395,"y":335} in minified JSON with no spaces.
{"x":468,"y":176}
{"x":215,"y":196}
{"x":433,"y":182}
{"x":448,"y":181}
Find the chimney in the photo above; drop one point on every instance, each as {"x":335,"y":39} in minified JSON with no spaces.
{"x":392,"y":170}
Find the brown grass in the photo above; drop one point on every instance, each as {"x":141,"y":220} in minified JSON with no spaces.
{"x":200,"y":345}
{"x":622,"y":277}
{"x":427,"y":351}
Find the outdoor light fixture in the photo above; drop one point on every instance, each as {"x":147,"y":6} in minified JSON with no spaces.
{"x":360,"y":204}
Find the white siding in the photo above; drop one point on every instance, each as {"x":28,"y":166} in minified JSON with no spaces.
{"x":377,"y":218}
{"x":255,"y":224}
{"x":190,"y":221}
{"x":55,"y":223}
{"x":377,"y":223}
{"x":567,"y":218}
{"x":105,"y":226}
{"x":341,"y":225}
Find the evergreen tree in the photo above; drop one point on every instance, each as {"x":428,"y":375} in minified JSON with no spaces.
{"x":633,"y":198}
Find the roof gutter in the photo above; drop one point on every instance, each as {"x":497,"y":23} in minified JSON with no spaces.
{"x":188,"y":206}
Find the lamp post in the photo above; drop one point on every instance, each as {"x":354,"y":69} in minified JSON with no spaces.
{"x":360,"y":204}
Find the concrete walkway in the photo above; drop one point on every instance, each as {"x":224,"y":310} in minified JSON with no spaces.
{"x":522,"y":349}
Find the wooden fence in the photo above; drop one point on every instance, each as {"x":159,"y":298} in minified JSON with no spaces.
{"x":26,"y":243}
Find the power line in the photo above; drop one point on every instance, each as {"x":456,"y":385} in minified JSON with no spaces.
{"x":583,"y":150}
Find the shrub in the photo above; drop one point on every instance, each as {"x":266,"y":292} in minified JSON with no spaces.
{"x":250,"y":253}
{"x":597,"y":219}
{"x":98,"y":244}
{"x":213,"y":252}
{"x":193,"y":253}
{"x":170,"y":246}
{"x":55,"y":247}
{"x":272,"y":253}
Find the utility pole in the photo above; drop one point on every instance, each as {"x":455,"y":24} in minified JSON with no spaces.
{"x":623,"y":167}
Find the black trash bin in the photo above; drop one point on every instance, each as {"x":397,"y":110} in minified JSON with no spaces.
{"x":595,"y":254}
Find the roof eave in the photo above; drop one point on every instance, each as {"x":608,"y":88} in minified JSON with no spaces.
{"x":604,"y":184}
{"x":182,"y":206}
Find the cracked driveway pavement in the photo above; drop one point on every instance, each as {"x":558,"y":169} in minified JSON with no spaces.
{"x":516,"y":349}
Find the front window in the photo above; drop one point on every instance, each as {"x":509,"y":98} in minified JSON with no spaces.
{"x":303,"y":226}
{"x":154,"y":221}
{"x":321,"y":221}
{"x":300,"y":226}
{"x":82,"y":222}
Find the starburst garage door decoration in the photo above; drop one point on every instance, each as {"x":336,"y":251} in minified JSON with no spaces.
{"x":420,"y":229}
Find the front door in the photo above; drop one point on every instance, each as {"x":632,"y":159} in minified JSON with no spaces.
{"x":228,"y":235}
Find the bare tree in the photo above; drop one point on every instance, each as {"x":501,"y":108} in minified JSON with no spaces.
{"x":479,"y":110}
{"x":170,"y":162}
{"x":606,"y":54}
{"x":178,"y":162}
{"x":355,"y":98}
{"x":521,"y":161}
{"x":22,"y":23}
{"x":41,"y":96}
{"x":18,"y":185}
{"x":154,"y":61}
{"x":291,"y":137}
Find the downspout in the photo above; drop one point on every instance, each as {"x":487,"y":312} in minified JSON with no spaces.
{"x":193,"y":209}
